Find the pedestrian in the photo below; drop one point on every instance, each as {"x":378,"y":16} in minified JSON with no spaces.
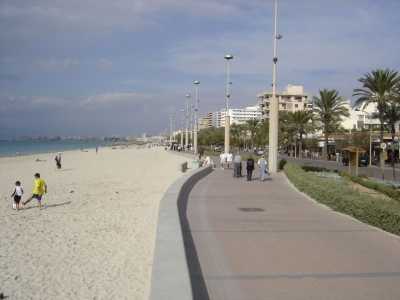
{"x":58,"y":160}
{"x":97,"y":149}
{"x":17,"y":194}
{"x":39,"y":189}
{"x":262,"y":164}
{"x":249,"y":168}
{"x":229,"y":159}
{"x":237,"y":165}
{"x":222,"y":160}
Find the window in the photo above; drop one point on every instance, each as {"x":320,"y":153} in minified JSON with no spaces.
{"x":296,"y":106}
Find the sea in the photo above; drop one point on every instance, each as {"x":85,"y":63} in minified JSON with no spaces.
{"x":16,"y":148}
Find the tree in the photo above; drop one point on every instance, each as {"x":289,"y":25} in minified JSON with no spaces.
{"x":262,"y":134}
{"x":329,"y":110}
{"x":300,"y":121}
{"x":252,"y":126}
{"x":380,"y":87}
{"x":211,"y":136}
{"x":391,"y":115}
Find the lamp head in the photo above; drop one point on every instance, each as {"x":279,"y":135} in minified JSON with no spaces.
{"x":196,"y":82}
{"x":188,"y":95}
{"x":228,"y":56}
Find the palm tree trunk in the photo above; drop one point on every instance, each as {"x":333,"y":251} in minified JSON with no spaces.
{"x":381,"y":160}
{"x":325,"y":154}
{"x":392,"y":155}
{"x":300,"y":145}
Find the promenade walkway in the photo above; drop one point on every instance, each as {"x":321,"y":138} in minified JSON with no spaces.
{"x":259,"y":241}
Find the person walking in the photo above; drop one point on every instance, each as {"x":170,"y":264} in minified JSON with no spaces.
{"x":237,"y":165}
{"x":39,"y":189}
{"x":249,"y":168}
{"x":262,"y":164}
{"x":17,"y":194}
{"x":222,"y":160}
{"x":229,"y":159}
{"x":58,"y":160}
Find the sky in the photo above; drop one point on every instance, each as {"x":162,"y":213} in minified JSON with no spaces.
{"x":122,"y":67}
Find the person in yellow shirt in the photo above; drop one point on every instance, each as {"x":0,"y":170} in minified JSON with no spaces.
{"x":39,"y":189}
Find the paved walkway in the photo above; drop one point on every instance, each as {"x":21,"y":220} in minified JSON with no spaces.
{"x":253,"y":240}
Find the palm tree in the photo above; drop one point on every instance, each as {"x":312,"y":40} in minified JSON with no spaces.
{"x":300,"y":121}
{"x":329,"y":109}
{"x":391,"y":115}
{"x":252,"y":126}
{"x":380,"y":87}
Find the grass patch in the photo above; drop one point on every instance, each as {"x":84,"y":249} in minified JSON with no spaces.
{"x":388,"y":190}
{"x":339,"y":196}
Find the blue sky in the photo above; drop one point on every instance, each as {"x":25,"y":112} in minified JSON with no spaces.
{"x":100,"y":67}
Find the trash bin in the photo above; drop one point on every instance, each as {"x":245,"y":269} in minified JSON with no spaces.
{"x":195,"y":164}
{"x":184,"y":167}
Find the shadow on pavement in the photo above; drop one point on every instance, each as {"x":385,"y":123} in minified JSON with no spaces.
{"x":197,"y":281}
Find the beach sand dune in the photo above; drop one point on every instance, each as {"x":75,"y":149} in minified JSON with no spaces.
{"x":95,"y":238}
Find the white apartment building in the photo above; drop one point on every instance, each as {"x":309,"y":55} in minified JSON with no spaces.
{"x":237,"y":116}
{"x":360,"y":117}
{"x":292,"y":99}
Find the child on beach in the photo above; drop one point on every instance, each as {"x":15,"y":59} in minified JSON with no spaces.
{"x":17,"y":194}
{"x":39,"y":189}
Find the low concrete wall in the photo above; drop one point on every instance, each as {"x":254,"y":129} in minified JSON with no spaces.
{"x":170,"y":275}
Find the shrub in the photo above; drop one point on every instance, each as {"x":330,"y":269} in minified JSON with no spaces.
{"x":341,"y":197}
{"x":315,"y":169}
{"x":388,"y":190}
{"x":282,"y":164}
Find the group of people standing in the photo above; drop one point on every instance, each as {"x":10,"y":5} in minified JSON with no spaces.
{"x":227,"y":160}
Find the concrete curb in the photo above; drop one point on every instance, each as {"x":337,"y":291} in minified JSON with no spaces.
{"x":170,"y":275}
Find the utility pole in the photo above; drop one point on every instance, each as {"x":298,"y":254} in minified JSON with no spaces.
{"x":227,"y":57}
{"x":196,"y":108}
{"x":274,"y":104}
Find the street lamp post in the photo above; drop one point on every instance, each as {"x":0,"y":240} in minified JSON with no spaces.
{"x":227,"y":57}
{"x":196,"y":108}
{"x":182,"y":126}
{"x":274,"y":104}
{"x":187,"y":122}
{"x":170,"y":131}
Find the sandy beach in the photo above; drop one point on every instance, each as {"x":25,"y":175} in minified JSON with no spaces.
{"x":95,"y":237}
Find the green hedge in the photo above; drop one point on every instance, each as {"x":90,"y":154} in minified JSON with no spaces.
{"x":388,"y":190}
{"x":316,"y":169}
{"x":341,"y":197}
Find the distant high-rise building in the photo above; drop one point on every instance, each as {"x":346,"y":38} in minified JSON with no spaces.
{"x":237,"y":116}
{"x":292,"y":99}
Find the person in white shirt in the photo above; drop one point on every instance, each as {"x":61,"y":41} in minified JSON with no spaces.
{"x":222,"y":158}
{"x":17,"y":194}
{"x":229,"y":159}
{"x":262,"y":164}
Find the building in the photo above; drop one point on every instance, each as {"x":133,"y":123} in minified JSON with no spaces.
{"x":240,"y":116}
{"x":292,"y":99}
{"x":361,"y":117}
{"x":205,"y":122}
{"x":237,"y":116}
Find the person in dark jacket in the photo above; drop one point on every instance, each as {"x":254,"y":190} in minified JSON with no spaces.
{"x":249,"y":168}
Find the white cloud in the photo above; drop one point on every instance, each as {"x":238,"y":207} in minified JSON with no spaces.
{"x":104,"y":64}
{"x":106,"y":15}
{"x":117,"y":97}
{"x":53,"y":64}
